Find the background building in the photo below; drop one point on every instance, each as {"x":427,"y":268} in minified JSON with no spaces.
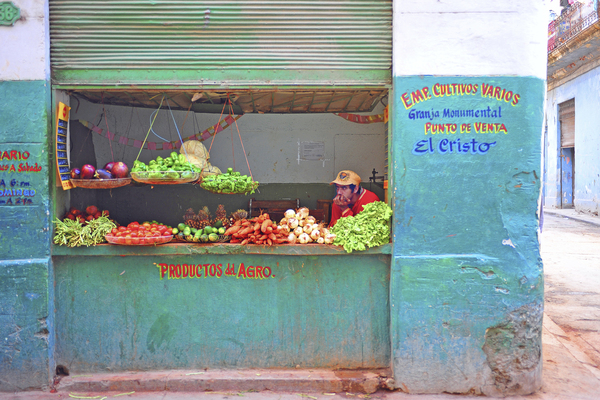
{"x":571,"y":141}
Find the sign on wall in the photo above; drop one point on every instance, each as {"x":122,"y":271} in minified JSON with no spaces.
{"x":62,"y":143}
{"x":469,"y":149}
{"x":18,"y":168}
{"x":9,"y":13}
{"x":471,"y":124}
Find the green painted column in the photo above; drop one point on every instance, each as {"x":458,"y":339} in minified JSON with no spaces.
{"x":466,"y":281}
{"x":25,"y":322}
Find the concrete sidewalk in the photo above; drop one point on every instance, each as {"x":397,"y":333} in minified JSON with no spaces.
{"x":571,"y":213}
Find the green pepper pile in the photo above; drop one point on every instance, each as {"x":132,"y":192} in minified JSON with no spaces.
{"x":73,"y":233}
{"x":369,"y":228}
{"x":173,"y":167}
{"x":229,"y":183}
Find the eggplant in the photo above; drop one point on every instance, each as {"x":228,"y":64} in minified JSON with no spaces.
{"x":75,"y":173}
{"x":103,"y":174}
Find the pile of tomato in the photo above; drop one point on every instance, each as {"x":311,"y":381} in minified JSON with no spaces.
{"x":140,"y":234}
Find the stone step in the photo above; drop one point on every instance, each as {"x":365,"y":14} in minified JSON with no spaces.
{"x":229,"y":380}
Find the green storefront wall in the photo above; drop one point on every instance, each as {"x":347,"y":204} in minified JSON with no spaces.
{"x":25,"y":268}
{"x":221,"y":306}
{"x":453,"y":304}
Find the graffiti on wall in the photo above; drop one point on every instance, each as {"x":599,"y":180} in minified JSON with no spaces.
{"x":16,"y":191}
{"x":484,"y":122}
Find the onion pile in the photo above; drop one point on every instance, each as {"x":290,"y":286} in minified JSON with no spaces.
{"x":302,"y":228}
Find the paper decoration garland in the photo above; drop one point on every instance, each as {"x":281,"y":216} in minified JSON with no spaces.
{"x":200,"y":136}
{"x":362,"y":119}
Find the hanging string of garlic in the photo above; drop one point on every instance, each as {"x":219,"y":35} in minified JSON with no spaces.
{"x":301,"y":227}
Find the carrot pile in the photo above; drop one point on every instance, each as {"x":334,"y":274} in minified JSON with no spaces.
{"x":257,"y":230}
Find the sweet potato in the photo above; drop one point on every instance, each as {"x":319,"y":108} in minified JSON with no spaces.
{"x":264,"y":225}
{"x":245,"y":231}
{"x":232,"y":229}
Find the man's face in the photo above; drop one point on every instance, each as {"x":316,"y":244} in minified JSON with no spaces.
{"x":343,"y":190}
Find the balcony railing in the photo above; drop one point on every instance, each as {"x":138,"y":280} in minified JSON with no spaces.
{"x":570,"y":23}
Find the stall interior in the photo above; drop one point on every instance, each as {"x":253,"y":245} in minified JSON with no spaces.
{"x":293,"y":144}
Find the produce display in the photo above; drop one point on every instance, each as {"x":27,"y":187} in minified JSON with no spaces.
{"x":301,"y":228}
{"x":369,"y":228}
{"x":231,"y":182}
{"x":112,"y":170}
{"x":186,"y":233}
{"x":113,"y":175}
{"x":202,"y":228}
{"x":144,"y":234}
{"x":90,"y":213}
{"x":77,"y":232}
{"x":258,"y":230}
{"x":204,"y":218}
{"x":175,"y":167}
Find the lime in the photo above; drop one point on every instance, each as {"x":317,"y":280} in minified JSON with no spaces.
{"x":221,"y":231}
{"x":181,"y":226}
{"x":175,"y":231}
{"x":213,"y":237}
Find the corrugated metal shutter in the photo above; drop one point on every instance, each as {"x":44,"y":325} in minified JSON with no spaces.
{"x":92,"y":40}
{"x":566,"y":116}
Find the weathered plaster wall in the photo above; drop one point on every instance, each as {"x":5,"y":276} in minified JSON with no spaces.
{"x":466,"y":282}
{"x":25,"y":318}
{"x":584,"y":89}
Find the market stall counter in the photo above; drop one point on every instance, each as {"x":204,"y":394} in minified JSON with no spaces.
{"x":185,"y":305}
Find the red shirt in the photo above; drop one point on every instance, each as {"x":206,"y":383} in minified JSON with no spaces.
{"x":366,"y":197}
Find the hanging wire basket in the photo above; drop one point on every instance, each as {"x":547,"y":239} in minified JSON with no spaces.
{"x":166,"y":178}
{"x":101,"y":183}
{"x":240,"y":186}
{"x":231,"y":182}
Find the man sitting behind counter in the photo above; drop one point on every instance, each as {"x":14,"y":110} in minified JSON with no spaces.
{"x":350,"y":196}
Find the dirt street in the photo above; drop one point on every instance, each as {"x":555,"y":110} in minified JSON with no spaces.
{"x":570,"y":250}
